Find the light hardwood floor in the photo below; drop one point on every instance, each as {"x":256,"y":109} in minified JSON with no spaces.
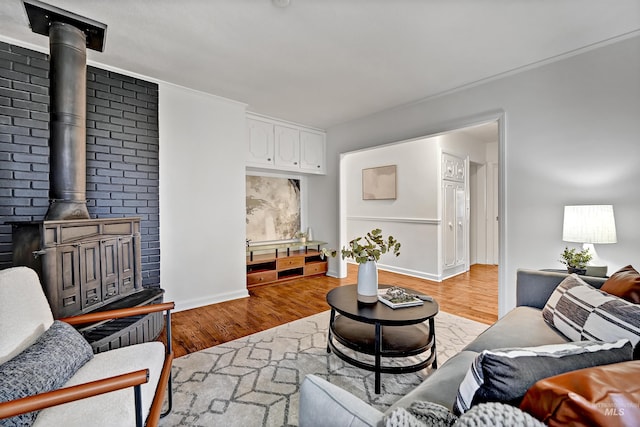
{"x":473,"y":295}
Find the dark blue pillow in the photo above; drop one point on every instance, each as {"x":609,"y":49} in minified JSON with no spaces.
{"x":44,"y":366}
{"x":505,"y":375}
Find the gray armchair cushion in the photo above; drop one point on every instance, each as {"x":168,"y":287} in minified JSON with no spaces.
{"x":44,"y":366}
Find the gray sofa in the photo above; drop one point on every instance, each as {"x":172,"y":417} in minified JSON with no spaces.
{"x":323,"y":404}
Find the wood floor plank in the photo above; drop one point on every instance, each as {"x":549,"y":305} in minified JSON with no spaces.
{"x":473,"y":295}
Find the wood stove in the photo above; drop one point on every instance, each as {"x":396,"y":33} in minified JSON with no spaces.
{"x":84,"y":264}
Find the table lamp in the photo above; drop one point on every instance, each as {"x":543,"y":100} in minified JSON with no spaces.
{"x":589,"y":225}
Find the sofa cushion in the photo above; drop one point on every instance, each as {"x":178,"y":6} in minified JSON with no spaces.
{"x":24,"y":311}
{"x":324,"y":403}
{"x":582,"y":312}
{"x":507,"y":331}
{"x":603,"y":395}
{"x":504,"y":375}
{"x":624,"y":283}
{"x":44,"y":366}
{"x":120,"y":404}
{"x":441,"y":386}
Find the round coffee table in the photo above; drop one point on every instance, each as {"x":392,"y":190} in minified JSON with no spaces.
{"x":381,"y":331}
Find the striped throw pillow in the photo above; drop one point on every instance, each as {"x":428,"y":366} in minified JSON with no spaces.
{"x":582,"y":312}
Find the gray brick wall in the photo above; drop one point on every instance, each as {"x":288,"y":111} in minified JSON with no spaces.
{"x":122,"y":150}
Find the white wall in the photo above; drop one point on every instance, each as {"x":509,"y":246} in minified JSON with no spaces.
{"x":413,"y":217}
{"x":462,"y":145}
{"x":571,"y":136}
{"x":202,"y":197}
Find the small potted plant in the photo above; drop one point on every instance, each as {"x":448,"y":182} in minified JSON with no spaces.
{"x":366,"y":251}
{"x":575,"y":261}
{"x":301,"y":236}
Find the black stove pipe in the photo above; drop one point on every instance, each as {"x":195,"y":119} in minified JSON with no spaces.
{"x":68,"y":95}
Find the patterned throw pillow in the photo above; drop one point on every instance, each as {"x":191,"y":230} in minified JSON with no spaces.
{"x":44,"y":366}
{"x":582,"y":312}
{"x":505,"y":375}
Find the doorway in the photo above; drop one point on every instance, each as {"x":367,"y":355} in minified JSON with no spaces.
{"x":485,"y":155}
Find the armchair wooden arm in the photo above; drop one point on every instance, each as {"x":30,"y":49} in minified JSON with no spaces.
{"x":116,"y":314}
{"x":155,"y":412}
{"x":77,"y":392}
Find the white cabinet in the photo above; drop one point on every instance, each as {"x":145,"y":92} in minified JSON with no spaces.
{"x":454,"y":212}
{"x":287,"y":147}
{"x":312,"y":151}
{"x":283,"y":146}
{"x":453,"y":204}
{"x":260,"y":146}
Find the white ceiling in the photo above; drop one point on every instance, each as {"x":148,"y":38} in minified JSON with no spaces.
{"x":324,"y":62}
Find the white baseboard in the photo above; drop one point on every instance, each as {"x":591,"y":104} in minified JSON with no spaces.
{"x":208,"y":300}
{"x":409,"y":272}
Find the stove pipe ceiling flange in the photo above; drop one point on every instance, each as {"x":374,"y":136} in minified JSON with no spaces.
{"x":69,"y":36}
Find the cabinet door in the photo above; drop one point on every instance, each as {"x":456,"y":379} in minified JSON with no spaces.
{"x":68,"y":267}
{"x":126,"y":264}
{"x":312,"y":151}
{"x":109,"y":248}
{"x":260,"y":146}
{"x":90,"y":276}
{"x":461,"y":207}
{"x":287,"y":147}
{"x":453,"y":236}
{"x":449,"y":226}
{"x":452,"y":168}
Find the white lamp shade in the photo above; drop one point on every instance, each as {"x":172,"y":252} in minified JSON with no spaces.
{"x":589,"y":224}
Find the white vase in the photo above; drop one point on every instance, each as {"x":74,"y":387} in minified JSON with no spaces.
{"x":368,"y":282}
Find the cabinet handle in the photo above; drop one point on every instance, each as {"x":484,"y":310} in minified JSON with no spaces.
{"x":318,"y":166}
{"x":36,"y":254}
{"x":269,"y":159}
{"x":295,"y":163}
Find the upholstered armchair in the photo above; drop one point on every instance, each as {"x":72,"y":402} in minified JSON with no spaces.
{"x":50,"y":376}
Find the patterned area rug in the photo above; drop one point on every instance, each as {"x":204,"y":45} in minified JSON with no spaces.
{"x":254,"y":381}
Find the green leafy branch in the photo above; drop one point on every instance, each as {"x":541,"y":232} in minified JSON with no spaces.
{"x":373,"y":247}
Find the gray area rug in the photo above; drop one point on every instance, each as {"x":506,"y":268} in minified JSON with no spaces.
{"x":254,"y":381}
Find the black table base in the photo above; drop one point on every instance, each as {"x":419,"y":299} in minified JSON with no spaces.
{"x":382,"y":341}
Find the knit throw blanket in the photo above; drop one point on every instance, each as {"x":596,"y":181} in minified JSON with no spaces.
{"x":428,"y":414}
